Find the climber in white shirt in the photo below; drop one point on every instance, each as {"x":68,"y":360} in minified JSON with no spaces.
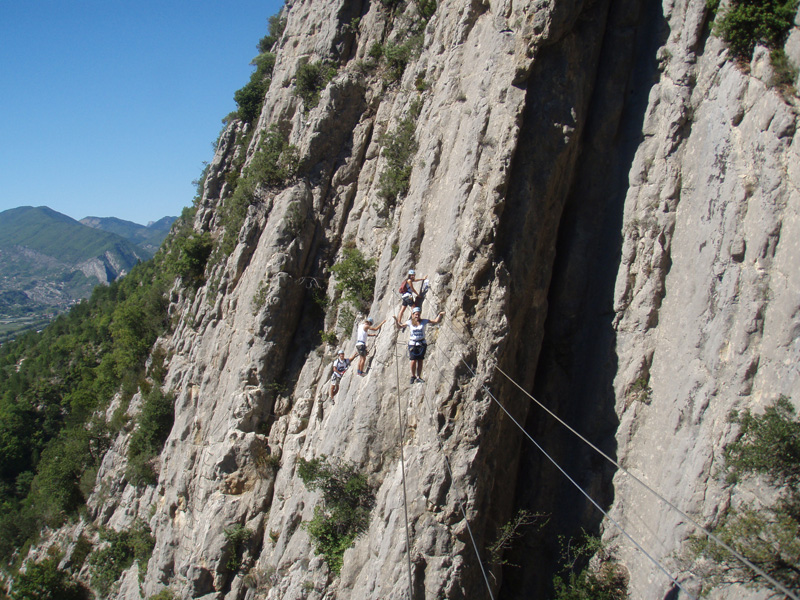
{"x":361,"y":341}
{"x":416,"y":340}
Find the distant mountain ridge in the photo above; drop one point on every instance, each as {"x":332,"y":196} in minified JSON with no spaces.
{"x":54,"y":260}
{"x":147,"y":236}
{"x":53,"y":234}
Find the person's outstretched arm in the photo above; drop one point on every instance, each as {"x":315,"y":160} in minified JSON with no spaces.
{"x":377,"y":327}
{"x":437,"y":319}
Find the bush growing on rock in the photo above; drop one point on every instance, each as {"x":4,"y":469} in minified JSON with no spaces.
{"x":237,"y":537}
{"x":152,"y":428}
{"x":123,"y":548}
{"x":276,"y":26}
{"x":45,"y":581}
{"x":250,"y":98}
{"x":768,"y":446}
{"x":745,"y":23}
{"x":355,"y":277}
{"x":399,"y":148}
{"x":194,"y":252}
{"x":347,"y":500}
{"x":580,"y":581}
{"x":311,"y":80}
{"x":275,"y":163}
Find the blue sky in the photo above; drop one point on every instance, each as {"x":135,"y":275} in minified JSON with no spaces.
{"x":109,"y":107}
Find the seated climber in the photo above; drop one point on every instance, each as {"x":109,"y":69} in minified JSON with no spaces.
{"x":408,"y":293}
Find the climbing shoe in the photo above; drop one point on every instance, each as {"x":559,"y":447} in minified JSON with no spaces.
{"x":420,"y":380}
{"x":413,"y":379}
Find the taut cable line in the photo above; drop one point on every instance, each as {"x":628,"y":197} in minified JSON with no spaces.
{"x":575,"y":483}
{"x":740,"y":557}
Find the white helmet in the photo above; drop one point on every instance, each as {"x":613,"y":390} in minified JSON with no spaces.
{"x":340,"y":351}
{"x":412,"y":272}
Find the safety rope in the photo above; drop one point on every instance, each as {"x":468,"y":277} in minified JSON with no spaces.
{"x":744,"y":560}
{"x":403,"y":469}
{"x":397,"y":356}
{"x":432,"y":410}
{"x":573,"y":482}
{"x":711,"y":535}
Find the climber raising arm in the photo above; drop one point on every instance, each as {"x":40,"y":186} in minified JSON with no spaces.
{"x":375,"y":328}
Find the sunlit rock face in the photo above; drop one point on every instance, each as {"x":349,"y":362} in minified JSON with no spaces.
{"x":606,"y":207}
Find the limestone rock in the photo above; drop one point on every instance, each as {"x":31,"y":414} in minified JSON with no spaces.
{"x":607,"y":210}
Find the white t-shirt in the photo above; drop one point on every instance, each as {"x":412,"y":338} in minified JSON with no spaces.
{"x":416,"y":333}
{"x":363,"y":332}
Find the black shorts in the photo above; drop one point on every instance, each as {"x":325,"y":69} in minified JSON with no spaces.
{"x":361,"y":349}
{"x":417,"y":352}
{"x":408,"y":300}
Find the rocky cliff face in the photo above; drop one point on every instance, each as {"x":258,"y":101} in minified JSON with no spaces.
{"x":607,"y":209}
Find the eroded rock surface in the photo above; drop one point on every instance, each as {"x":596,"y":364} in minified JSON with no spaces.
{"x":607,"y":208}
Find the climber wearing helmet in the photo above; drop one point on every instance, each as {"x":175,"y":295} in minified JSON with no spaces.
{"x":361,"y":341}
{"x":408,"y":292}
{"x":416,"y":340}
{"x":340,"y":365}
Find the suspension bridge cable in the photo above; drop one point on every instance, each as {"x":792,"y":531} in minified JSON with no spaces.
{"x":740,"y":557}
{"x":576,"y":484}
{"x":403,"y":469}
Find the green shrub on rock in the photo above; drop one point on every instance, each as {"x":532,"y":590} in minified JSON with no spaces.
{"x":347,"y":500}
{"x":355,"y":277}
{"x":45,"y":581}
{"x":153,"y":425}
{"x":579,"y":581}
{"x":275,"y":163}
{"x":107,"y":564}
{"x":311,"y":80}
{"x":399,"y":148}
{"x":745,"y":23}
{"x":768,"y":446}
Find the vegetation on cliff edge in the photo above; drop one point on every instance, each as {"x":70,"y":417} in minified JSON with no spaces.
{"x":347,"y":500}
{"x":767,"y":448}
{"x":54,"y":385}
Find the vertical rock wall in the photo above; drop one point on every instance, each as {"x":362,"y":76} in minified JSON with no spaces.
{"x":607,"y":209}
{"x":706,"y":300}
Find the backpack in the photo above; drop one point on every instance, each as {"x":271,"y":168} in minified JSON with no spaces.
{"x":404,"y":287}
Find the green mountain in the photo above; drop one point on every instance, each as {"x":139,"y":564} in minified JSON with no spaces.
{"x":53,"y":261}
{"x":53,"y":234}
{"x":148,"y":237}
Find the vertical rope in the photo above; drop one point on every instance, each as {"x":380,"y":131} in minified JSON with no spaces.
{"x":403,"y":467}
{"x":432,"y":410}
